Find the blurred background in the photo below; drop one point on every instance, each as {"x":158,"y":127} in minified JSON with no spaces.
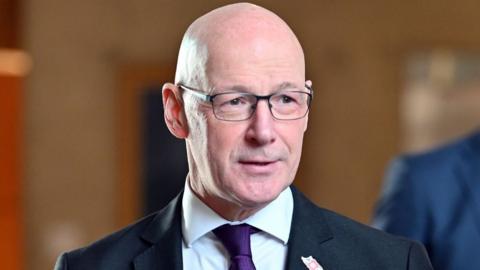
{"x":83,"y":147}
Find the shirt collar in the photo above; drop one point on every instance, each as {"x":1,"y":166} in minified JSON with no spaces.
{"x":198,"y":219}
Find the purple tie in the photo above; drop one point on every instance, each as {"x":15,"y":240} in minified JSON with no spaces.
{"x":236,"y":239}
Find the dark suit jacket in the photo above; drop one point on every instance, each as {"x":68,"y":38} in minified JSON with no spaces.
{"x":335,"y":241}
{"x":434,"y":198}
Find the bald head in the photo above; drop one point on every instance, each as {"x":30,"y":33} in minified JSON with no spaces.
{"x":233,"y":34}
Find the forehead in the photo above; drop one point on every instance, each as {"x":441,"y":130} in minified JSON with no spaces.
{"x":257,"y":63}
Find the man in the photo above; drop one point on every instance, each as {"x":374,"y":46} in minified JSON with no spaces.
{"x":241,"y":101}
{"x":434,"y":197}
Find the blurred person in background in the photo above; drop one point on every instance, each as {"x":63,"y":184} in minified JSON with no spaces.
{"x":434,"y":198}
{"x":241,"y":102}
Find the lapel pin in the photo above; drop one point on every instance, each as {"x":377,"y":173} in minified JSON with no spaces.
{"x":311,"y":263}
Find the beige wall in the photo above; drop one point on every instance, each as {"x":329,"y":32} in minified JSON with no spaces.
{"x":354,"y":55}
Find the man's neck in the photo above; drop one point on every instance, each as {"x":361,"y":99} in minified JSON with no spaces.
{"x":226,"y":209}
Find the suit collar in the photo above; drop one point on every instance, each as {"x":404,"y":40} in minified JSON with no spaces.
{"x":164,"y":235}
{"x":470,"y":174}
{"x":309,"y":234}
{"x":193,"y":210}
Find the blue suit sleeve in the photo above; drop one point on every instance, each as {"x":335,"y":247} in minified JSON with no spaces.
{"x":401,"y":208}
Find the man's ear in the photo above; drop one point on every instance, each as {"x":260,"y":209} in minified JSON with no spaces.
{"x":308,"y":83}
{"x":174,"y":113}
{"x":306,"y":123}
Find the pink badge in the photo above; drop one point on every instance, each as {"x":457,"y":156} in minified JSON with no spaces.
{"x":311,"y":263}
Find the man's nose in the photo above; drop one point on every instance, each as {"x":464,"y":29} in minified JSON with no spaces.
{"x":261,"y":130}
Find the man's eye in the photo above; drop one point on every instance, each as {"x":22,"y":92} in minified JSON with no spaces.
{"x":235,"y":101}
{"x":286,"y":99}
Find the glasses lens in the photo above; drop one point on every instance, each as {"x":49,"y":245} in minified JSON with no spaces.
{"x":233,"y":106}
{"x":290,"y":105}
{"x":286,"y":105}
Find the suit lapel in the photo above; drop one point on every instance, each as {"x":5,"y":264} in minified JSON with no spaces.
{"x":165,"y":236}
{"x":310,"y":235}
{"x":470,"y":175}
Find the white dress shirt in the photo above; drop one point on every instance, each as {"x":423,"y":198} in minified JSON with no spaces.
{"x":202,"y":250}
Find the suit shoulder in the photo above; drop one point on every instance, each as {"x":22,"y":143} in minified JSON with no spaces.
{"x":383,"y":248}
{"x":448,"y":153}
{"x":127,"y":241}
{"x":119,"y":249}
{"x":345,"y":227}
{"x":436,"y":165}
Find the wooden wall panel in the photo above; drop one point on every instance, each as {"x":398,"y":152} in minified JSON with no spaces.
{"x":10,"y":173}
{"x":9,"y":23}
{"x":11,"y":229}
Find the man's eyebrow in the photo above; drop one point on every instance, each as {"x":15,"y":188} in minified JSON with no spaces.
{"x":239,"y":88}
{"x":245,"y":89}
{"x":285,"y":85}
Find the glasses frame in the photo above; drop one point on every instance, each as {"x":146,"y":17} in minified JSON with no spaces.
{"x":209,"y":98}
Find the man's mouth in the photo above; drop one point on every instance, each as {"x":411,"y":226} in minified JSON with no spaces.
{"x":259,"y":167}
{"x":256,"y":163}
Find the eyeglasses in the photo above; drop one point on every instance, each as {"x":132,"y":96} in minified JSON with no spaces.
{"x":289,"y":104}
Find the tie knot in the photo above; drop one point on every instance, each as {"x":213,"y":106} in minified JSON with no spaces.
{"x":236,"y":238}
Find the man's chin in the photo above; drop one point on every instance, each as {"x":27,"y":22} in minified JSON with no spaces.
{"x":259,"y":201}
